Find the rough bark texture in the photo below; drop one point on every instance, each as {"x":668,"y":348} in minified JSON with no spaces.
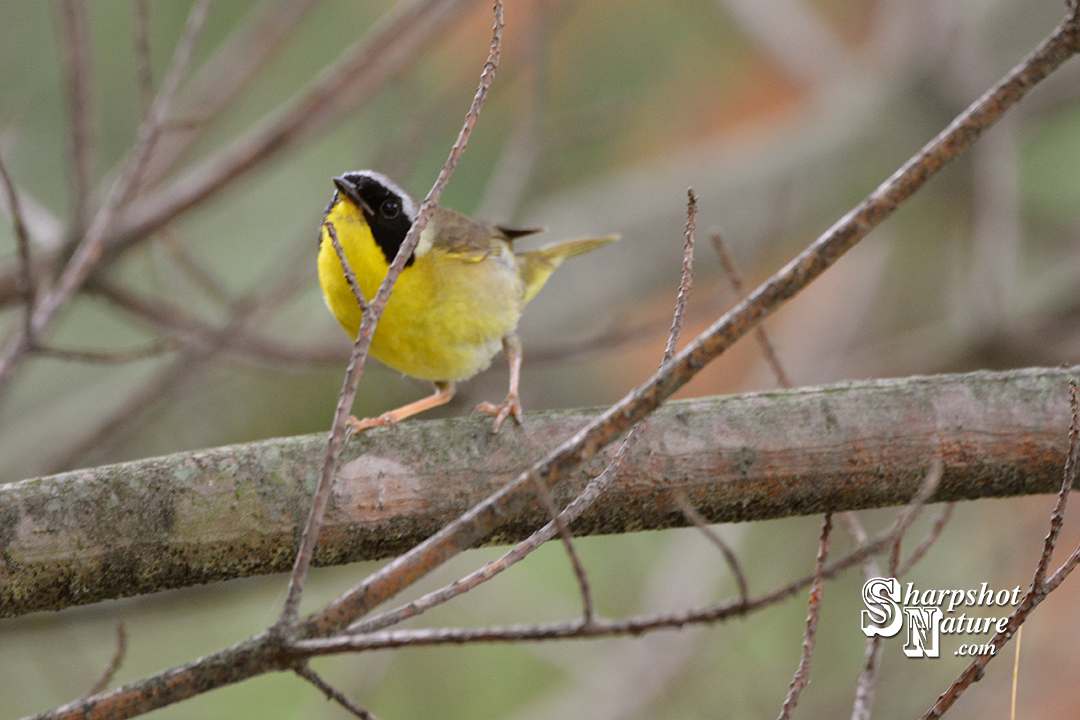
{"x":198,"y":517}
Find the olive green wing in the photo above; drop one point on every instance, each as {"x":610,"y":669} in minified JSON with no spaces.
{"x":468,"y":239}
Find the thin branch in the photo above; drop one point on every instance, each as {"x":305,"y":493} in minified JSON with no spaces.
{"x":930,"y":539}
{"x":225,"y":75}
{"x":108,"y":358}
{"x":1057,"y":517}
{"x":143,"y":65}
{"x":868,"y":674}
{"x":802,"y":674}
{"x":685,"y":281}
{"x":90,"y":248}
{"x":368,"y":322}
{"x":588,"y":613}
{"x":760,"y":333}
{"x":332,"y":693}
{"x":350,"y":276}
{"x":601,"y":627}
{"x":1015,"y":673}
{"x":868,"y":677}
{"x":80,"y":81}
{"x":362,"y":69}
{"x":22,"y":239}
{"x":115,"y":663}
{"x":732,"y":560}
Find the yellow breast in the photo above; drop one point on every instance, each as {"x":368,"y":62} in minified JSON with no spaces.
{"x":448,"y":313}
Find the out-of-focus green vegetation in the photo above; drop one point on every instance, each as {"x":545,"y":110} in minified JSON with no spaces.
{"x":602,"y":114}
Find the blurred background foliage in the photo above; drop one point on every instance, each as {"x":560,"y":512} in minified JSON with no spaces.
{"x":781,"y":114}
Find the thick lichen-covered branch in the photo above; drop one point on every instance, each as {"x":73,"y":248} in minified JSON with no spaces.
{"x":234,"y":511}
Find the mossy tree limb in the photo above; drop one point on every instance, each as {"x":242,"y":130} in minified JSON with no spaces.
{"x":234,"y":511}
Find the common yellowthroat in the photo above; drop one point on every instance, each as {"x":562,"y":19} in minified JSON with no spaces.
{"x":457,"y":301}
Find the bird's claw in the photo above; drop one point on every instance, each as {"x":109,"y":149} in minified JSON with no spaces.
{"x":511,"y":406}
{"x":358,"y":425}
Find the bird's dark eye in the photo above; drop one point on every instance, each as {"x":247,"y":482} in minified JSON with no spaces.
{"x":390,"y":209}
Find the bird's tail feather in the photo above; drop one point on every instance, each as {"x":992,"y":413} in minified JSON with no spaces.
{"x":536,"y":266}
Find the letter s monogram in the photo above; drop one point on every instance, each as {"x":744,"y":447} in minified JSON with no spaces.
{"x":882,"y":615}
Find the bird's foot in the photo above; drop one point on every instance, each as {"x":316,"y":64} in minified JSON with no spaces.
{"x":358,"y":425}
{"x":511,"y":406}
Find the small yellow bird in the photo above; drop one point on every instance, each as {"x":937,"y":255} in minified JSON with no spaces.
{"x":457,"y":301}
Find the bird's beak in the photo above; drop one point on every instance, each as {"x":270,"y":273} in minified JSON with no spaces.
{"x":347,"y":189}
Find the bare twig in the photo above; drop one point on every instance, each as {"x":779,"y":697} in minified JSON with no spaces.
{"x":686,"y":280}
{"x":124,"y":356}
{"x":1057,"y":517}
{"x":1016,"y":673}
{"x":115,"y":663}
{"x":868,"y":674}
{"x":924,"y":545}
{"x":143,"y":66}
{"x":362,"y":69}
{"x":802,"y":674}
{"x":588,"y":613}
{"x":368,"y":322}
{"x":681,"y":301}
{"x":209,"y":283}
{"x":350,"y":276}
{"x":332,"y":693}
{"x":601,"y":627}
{"x":729,"y":555}
{"x":90,"y":248}
{"x":22,"y":238}
{"x":760,"y":333}
{"x":80,"y":72}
